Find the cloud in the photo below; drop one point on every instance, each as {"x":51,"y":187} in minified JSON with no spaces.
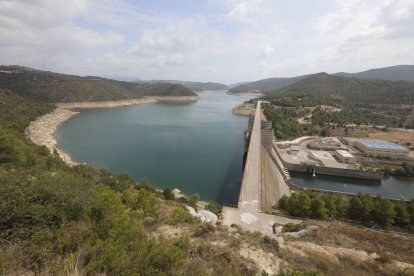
{"x":226,"y":40}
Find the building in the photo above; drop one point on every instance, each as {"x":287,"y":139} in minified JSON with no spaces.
{"x":294,"y":149}
{"x":380,"y":148}
{"x":345,"y":156}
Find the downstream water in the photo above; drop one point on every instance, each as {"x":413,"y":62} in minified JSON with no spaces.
{"x":390,"y":187}
{"x":197,"y":147}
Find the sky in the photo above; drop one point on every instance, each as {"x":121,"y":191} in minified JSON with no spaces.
{"x":226,"y":41}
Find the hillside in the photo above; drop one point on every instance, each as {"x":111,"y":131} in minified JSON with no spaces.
{"x":195,"y":86}
{"x":54,"y":87}
{"x":266,"y":85}
{"x":395,"y":73}
{"x":60,"y":220}
{"x":323,"y":88}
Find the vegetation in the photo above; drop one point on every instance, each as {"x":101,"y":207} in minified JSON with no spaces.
{"x":284,"y":122}
{"x":196,"y":86}
{"x":57,"y":220}
{"x":406,"y":170}
{"x":266,"y":85}
{"x":361,"y":208}
{"x":334,"y":89}
{"x":53,"y":87}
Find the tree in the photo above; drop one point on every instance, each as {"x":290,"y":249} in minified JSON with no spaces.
{"x":355,"y":208}
{"x":384,"y":212}
{"x":325,"y":132}
{"x":367,"y":207}
{"x":318,"y":209}
{"x":341,"y":207}
{"x":303,"y":205}
{"x":402,"y":216}
{"x":147,"y":202}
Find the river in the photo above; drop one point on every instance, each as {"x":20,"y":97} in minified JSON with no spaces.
{"x":195,"y":147}
{"x":389,"y":187}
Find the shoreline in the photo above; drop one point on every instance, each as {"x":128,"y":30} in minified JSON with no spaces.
{"x":243,"y":110}
{"x":256,"y":94}
{"x":42,"y":130}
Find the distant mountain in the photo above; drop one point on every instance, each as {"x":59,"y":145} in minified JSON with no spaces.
{"x":324,"y":88}
{"x":396,"y":73}
{"x":195,"y":86}
{"x":53,"y":87}
{"x":266,"y":85}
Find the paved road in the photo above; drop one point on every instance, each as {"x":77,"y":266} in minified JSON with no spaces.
{"x":247,"y":214}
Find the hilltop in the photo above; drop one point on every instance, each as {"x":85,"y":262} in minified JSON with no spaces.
{"x":54,"y":87}
{"x":194,"y":86}
{"x":323,"y":88}
{"x":265,"y":85}
{"x":395,"y":73}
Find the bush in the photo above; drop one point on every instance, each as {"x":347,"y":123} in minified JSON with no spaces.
{"x":181,"y":215}
{"x":147,"y":202}
{"x":193,"y":199}
{"x":168,"y":194}
{"x":384,"y":258}
{"x":214,"y":207}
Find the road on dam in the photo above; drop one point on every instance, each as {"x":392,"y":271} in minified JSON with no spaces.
{"x":249,"y":214}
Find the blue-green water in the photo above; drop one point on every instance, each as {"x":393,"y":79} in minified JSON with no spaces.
{"x":197,"y":147}
{"x":389,"y":187}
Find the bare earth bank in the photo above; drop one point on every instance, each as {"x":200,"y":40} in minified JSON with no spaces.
{"x":42,"y":130}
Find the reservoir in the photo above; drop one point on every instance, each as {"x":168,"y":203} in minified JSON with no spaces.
{"x":195,"y":147}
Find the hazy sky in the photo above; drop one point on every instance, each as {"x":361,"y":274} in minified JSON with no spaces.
{"x":207,"y":40}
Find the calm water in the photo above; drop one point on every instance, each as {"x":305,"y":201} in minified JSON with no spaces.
{"x":390,"y":187}
{"x":195,"y":147}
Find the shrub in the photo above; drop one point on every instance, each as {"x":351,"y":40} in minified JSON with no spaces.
{"x":181,"y":215}
{"x":214,"y":207}
{"x":147,"y":202}
{"x":168,"y":194}
{"x":384,"y":258}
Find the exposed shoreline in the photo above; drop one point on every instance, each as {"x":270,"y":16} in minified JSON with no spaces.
{"x":42,"y":130}
{"x":243,"y":110}
{"x":256,"y":94}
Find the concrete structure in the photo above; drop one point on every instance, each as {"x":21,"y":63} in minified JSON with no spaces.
{"x":248,"y":214}
{"x":294,"y":149}
{"x":379,"y":148}
{"x":345,"y":156}
{"x":325,"y":144}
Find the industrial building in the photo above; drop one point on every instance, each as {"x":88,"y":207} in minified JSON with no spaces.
{"x":379,"y":148}
{"x":345,"y":156}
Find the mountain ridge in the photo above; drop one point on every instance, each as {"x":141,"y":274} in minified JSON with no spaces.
{"x":55,"y":87}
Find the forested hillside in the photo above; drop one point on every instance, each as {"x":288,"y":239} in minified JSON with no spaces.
{"x":53,"y":87}
{"x":328,"y":89}
{"x":396,"y":73}
{"x":266,"y":85}
{"x":194,"y":85}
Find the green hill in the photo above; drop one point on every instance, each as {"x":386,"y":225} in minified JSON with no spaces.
{"x":266,"y":85}
{"x":196,"y":86}
{"x":54,"y":87}
{"x":327,"y":89}
{"x":395,"y":73}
